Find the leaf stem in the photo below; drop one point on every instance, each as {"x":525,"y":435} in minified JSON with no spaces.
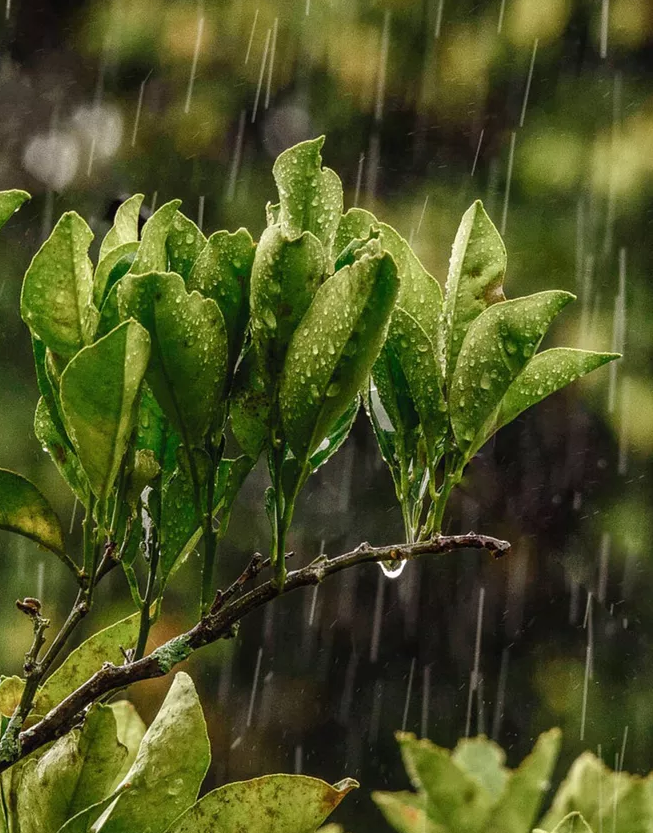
{"x":210,"y":534}
{"x":146,"y":621}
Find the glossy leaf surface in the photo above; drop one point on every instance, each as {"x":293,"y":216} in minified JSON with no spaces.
{"x":24,"y":510}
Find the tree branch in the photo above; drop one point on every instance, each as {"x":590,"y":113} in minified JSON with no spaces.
{"x":222,"y":622}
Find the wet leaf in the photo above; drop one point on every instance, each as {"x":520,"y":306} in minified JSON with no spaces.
{"x":498,"y":345}
{"x":24,"y":510}
{"x":107,"y":645}
{"x":10,"y":202}
{"x":405,"y":812}
{"x":251,"y":403}
{"x":184,"y":243}
{"x":99,"y":399}
{"x":188,"y":361}
{"x":594,"y":790}
{"x":130,"y":729}
{"x":416,"y":355}
{"x":152,"y":255}
{"x":573,"y":823}
{"x":172,"y":761}
{"x":310,"y":197}
{"x":83,"y":822}
{"x":286,"y":275}
{"x":59,"y":448}
{"x":334,"y":348}
{"x":271,"y":804}
{"x":109,"y":313}
{"x":222,"y":272}
{"x":336,"y":436}
{"x":545,"y":374}
{"x":56,"y":300}
{"x":155,"y":433}
{"x":475,"y":280}
{"x":111,"y":268}
{"x":75,"y":772}
{"x":125,"y":226}
{"x":11,"y":690}
{"x":419,"y":292}
{"x":455,"y":799}
{"x":526,"y":787}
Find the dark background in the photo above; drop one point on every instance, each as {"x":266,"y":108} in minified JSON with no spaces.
{"x":430,"y":96}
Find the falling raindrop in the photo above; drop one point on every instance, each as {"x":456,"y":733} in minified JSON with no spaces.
{"x":252,"y":697}
{"x":409,"y":690}
{"x":251,"y":37}
{"x":528,"y":84}
{"x":474,"y":677}
{"x":193,"y":69}
{"x":273,"y":49}
{"x":261,"y":74}
{"x":478,"y":150}
{"x":506,"y":196}
{"x":426,"y":695}
{"x":376,"y":621}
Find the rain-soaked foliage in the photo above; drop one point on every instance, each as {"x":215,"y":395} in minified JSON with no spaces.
{"x":540,"y":110}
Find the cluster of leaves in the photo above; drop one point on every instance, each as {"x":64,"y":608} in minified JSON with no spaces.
{"x":175,"y":347}
{"x":470,"y":788}
{"x":112,"y":775}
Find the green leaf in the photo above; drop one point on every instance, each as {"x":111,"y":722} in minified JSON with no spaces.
{"x":496,"y":348}
{"x":546,"y":373}
{"x":11,"y":691}
{"x":172,"y":761}
{"x":271,"y":804}
{"x":573,"y":823}
{"x":109,"y":313}
{"x":74,"y":773}
{"x":475,"y":280}
{"x":56,"y":300}
{"x":130,"y":729}
{"x":111,"y":268}
{"x":10,"y":202}
{"x":416,"y":355}
{"x":106,"y":645}
{"x":99,"y":398}
{"x":152,"y":255}
{"x":184,"y":243}
{"x":336,"y":437}
{"x":455,"y":799}
{"x":405,"y":812}
{"x":526,"y":787}
{"x":251,"y":403}
{"x":154,"y":433}
{"x":83,"y":822}
{"x":125,"y":226}
{"x":188,"y":362}
{"x":24,"y":510}
{"x":484,"y":760}
{"x":222,"y":272}
{"x":310,"y":197}
{"x":286,"y":275}
{"x":58,"y":447}
{"x":593,"y":790}
{"x":334,"y":348}
{"x":419,"y":293}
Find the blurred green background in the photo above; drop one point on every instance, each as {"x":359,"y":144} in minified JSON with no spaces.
{"x":543,"y":109}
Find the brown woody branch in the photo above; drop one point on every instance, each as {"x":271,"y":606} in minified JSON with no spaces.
{"x":221,"y":623}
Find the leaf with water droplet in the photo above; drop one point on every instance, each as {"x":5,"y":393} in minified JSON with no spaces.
{"x":99,"y":400}
{"x":56,"y":300}
{"x":251,"y":403}
{"x":336,"y":437}
{"x":188,"y":361}
{"x":155,"y":433}
{"x":286,"y":275}
{"x":475,"y":280}
{"x":10,"y":202}
{"x":545,"y":374}
{"x":73,"y":773}
{"x":24,"y":510}
{"x":60,"y":450}
{"x":152,"y":255}
{"x":184,"y":243}
{"x":106,"y":645}
{"x":125,"y":226}
{"x":416,"y":355}
{"x":170,"y":766}
{"x":351,"y":311}
{"x":526,"y":787}
{"x":111,"y":268}
{"x":310,"y":197}
{"x":222,"y":272}
{"x":271,"y":804}
{"x":498,"y":343}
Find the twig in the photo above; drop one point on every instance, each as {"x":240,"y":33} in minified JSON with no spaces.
{"x":250,"y":572}
{"x":221,"y":624}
